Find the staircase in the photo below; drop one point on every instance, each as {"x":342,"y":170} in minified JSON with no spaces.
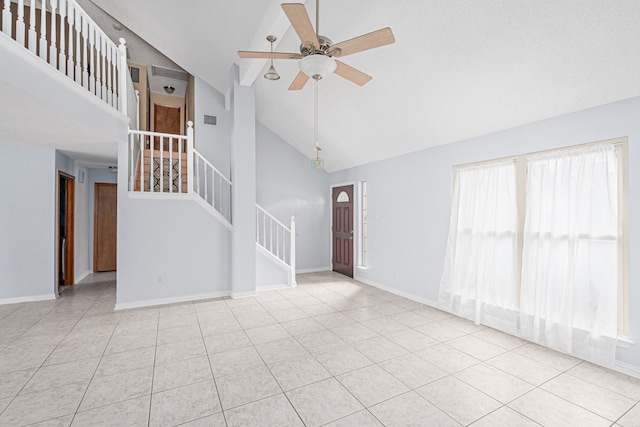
{"x":60,"y":40}
{"x":167,"y":166}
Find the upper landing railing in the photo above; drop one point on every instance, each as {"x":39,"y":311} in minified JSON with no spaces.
{"x":64,"y":36}
{"x":166,"y":165}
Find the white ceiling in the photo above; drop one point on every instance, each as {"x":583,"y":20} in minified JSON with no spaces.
{"x":458,"y":69}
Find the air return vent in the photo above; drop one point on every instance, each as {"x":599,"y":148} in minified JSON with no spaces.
{"x":135,"y":74}
{"x":210,"y":120}
{"x":169,"y":73}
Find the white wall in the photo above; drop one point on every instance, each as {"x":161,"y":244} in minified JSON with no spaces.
{"x":213,"y":142}
{"x":287,"y":185}
{"x":27,"y":223}
{"x":95,"y":175}
{"x":409,"y":199}
{"x":269,"y":273}
{"x":169,"y":251}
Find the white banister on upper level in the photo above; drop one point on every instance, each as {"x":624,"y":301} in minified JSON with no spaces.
{"x":63,"y":35}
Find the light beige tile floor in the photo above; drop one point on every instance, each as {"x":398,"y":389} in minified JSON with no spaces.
{"x":331,"y":352}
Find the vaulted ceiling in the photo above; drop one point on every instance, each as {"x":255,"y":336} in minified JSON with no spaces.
{"x":458,"y":69}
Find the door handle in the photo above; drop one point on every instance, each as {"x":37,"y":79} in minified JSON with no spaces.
{"x":351,"y":237}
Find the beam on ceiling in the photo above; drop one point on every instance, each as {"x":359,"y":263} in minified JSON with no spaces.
{"x":274,"y":22}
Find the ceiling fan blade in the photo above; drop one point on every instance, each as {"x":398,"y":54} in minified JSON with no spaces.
{"x":351,"y":74}
{"x":268,"y":55}
{"x":300,"y":22}
{"x":299,"y":82}
{"x":365,"y":42}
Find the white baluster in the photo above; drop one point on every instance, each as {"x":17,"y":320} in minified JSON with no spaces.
{"x":161,"y":149}
{"x":264,"y":229}
{"x":270,"y":234}
{"x":152,"y":143}
{"x":92,"y":59}
{"x":190,"y":157}
{"x":62,"y":57}
{"x":122,"y":77}
{"x":32,"y":26}
{"x":77,"y":76}
{"x":142,"y":148}
{"x":103,"y":61}
{"x":109,"y":74}
{"x":131,"y":161}
{"x":53,"y":49}
{"x":20,"y":23}
{"x":292,"y":250}
{"x":71,"y":50}
{"x":138,"y":111}
{"x":99,"y":65}
{"x":171,"y":142}
{"x":7,"y":18}
{"x":85,"y":53}
{"x":43,"y":30}
{"x":276,"y":249}
{"x":198,"y":175}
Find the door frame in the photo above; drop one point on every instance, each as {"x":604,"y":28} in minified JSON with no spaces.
{"x":356,"y":231}
{"x":95,"y":218}
{"x":69,"y":225}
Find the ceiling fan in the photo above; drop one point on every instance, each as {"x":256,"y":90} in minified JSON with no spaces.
{"x":317,"y":52}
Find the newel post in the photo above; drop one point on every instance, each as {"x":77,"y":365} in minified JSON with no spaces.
{"x":122,"y":77}
{"x":292,"y":246}
{"x":189,"y":157}
{"x":7,"y":18}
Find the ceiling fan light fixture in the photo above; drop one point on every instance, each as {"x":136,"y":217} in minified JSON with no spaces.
{"x":317,"y":66}
{"x":271,"y":73}
{"x":317,"y":163}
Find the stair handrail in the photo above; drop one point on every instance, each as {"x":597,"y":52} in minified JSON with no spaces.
{"x":279,"y":253}
{"x":205,"y":185}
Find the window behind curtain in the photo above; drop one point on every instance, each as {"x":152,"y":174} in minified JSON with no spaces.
{"x":480,"y":276}
{"x":560,"y":287}
{"x":570,"y":256}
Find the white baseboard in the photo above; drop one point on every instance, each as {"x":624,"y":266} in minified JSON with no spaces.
{"x":82,"y":276}
{"x":407,"y":295}
{"x":170,"y":300}
{"x":272,"y":287}
{"x":627,"y":369}
{"x":15,"y":300}
{"x":313,"y":270}
{"x":622,"y":367}
{"x":247,"y":294}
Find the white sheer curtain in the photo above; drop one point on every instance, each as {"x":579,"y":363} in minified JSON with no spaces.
{"x":569,"y":283}
{"x":479,"y":280}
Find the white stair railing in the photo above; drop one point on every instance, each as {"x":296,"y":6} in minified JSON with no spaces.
{"x":71,"y":42}
{"x":213,"y":187}
{"x":278,"y":240}
{"x":166,"y":164}
{"x":158,"y":162}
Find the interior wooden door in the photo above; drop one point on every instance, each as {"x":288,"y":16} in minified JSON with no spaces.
{"x":342,"y":230}
{"x":105,"y":227}
{"x":66,"y":229}
{"x":166,"y":120}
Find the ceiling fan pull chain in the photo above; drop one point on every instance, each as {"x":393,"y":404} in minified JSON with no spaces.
{"x":315,"y":136}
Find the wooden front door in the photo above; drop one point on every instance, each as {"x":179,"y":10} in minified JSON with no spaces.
{"x":105,"y":227}
{"x":166,"y":120}
{"x":342,"y":230}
